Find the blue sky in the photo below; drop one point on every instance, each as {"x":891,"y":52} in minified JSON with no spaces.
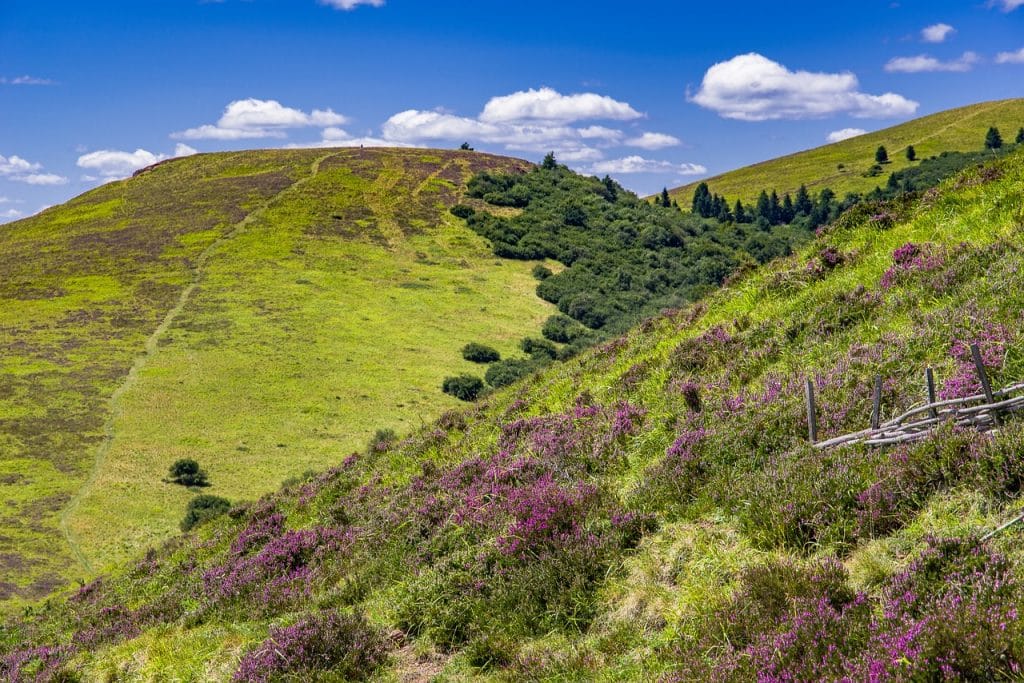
{"x":653,"y":92}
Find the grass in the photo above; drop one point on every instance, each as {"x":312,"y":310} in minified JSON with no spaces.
{"x":303,"y":299}
{"x":841,"y":166}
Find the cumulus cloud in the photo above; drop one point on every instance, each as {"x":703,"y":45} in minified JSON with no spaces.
{"x":654,"y":141}
{"x":23,"y":171}
{"x":547,"y":104}
{"x":752,"y":87}
{"x":183,"y":150}
{"x":25,"y":80}
{"x":253,"y":119}
{"x":844,"y":134}
{"x":1011,"y":57}
{"x":10,"y":214}
{"x":1008,"y":5}
{"x":113,"y":164}
{"x":926,"y":63}
{"x":936,"y":33}
{"x":600,"y":133}
{"x":351,"y":4}
{"x":638,"y":164}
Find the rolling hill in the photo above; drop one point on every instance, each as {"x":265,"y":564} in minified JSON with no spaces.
{"x":261,"y":312}
{"x":841,"y":166}
{"x":650,"y":510}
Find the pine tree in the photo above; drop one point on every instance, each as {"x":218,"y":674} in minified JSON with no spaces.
{"x":776,"y":208}
{"x":723,"y":215}
{"x":702,"y":201}
{"x":881,"y":155}
{"x":911,"y":153}
{"x":549,"y":162}
{"x":1020,"y":136}
{"x":764,"y":207}
{"x":788,"y":212}
{"x":666,"y":201}
{"x":803,"y":204}
{"x":739,"y":213}
{"x":993,"y":140}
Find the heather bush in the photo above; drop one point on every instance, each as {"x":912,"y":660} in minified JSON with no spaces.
{"x":479,"y":353}
{"x":320,"y":646}
{"x":187,"y":472}
{"x":508,"y":371}
{"x":382,"y":440}
{"x":463,"y":387}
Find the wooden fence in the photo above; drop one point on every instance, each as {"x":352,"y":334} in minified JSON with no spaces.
{"x":983,"y":411}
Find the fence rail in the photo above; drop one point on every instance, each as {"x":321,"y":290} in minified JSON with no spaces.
{"x":982,"y":411}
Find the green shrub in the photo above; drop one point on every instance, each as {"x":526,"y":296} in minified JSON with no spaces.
{"x":187,"y":472}
{"x":539,"y":349}
{"x":562,"y":329}
{"x":508,"y":371}
{"x":542,"y":272}
{"x":479,"y":353}
{"x":382,"y":440}
{"x":462,"y":211}
{"x":202,"y":508}
{"x":463,"y":387}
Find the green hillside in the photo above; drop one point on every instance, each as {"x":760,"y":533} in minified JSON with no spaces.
{"x":260,"y":312}
{"x":650,"y":510}
{"x":841,"y":166}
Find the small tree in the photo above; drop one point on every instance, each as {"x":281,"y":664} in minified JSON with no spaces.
{"x":549,"y":162}
{"x":881,"y":155}
{"x":479,"y":353}
{"x":465,"y":147}
{"x":463,"y":387}
{"x":666,"y":201}
{"x":1020,"y":136}
{"x":993,"y":140}
{"x":203,"y":508}
{"x":911,"y":153}
{"x":188,"y":473}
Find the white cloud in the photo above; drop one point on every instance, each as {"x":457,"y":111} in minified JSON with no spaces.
{"x":20,"y":170}
{"x":351,"y":4}
{"x":183,"y":150}
{"x":253,"y":119}
{"x":752,"y":87}
{"x":936,"y":33}
{"x":1011,"y":57}
{"x":653,"y":141}
{"x":10,"y":214}
{"x":413,"y":124}
{"x":845,"y":134}
{"x":926,"y":63}
{"x":546,"y":104}
{"x":114,"y":164}
{"x":638,"y":164}
{"x":600,"y":133}
{"x":1008,"y":5}
{"x":26,"y":80}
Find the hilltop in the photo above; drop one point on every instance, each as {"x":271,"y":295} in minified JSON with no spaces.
{"x":650,"y":509}
{"x":841,"y":166}
{"x":261,"y":312}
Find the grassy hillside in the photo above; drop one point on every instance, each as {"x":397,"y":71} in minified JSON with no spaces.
{"x":650,"y":510}
{"x":841,"y":166}
{"x":261,"y":312}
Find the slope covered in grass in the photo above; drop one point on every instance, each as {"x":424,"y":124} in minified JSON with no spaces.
{"x":255,"y":311}
{"x":650,"y":510}
{"x":841,"y":166}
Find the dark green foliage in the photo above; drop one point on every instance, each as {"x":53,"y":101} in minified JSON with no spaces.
{"x":881,"y":155}
{"x":562,"y":329}
{"x":911,"y":153}
{"x":462,"y":211}
{"x":1020,"y":135}
{"x":463,"y":387}
{"x":479,"y":353}
{"x":188,"y":473}
{"x":539,"y":348}
{"x":666,"y":201}
{"x":803,"y":204}
{"x":993,"y":140}
{"x":930,"y":172}
{"x":541,"y":272}
{"x":549,"y":163}
{"x":465,"y":147}
{"x":202,"y":508}
{"x":508,"y":371}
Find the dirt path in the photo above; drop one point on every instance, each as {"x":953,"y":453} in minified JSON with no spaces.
{"x":150,"y":349}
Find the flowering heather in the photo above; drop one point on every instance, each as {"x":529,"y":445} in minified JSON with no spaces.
{"x":992,"y":341}
{"x":34,"y":664}
{"x":912,"y":258}
{"x":346,"y":646}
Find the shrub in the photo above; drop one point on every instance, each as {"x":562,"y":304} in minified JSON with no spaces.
{"x":479,"y":353}
{"x":382,"y":440}
{"x":509,"y":371}
{"x":345,"y":645}
{"x":463,"y":387}
{"x":203,"y":508}
{"x":542,"y":272}
{"x":540,"y":349}
{"x":187,"y":472}
{"x":462,"y":211}
{"x":562,"y":329}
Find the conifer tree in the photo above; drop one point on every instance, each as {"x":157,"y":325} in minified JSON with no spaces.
{"x":911,"y":153}
{"x":1020,"y":135}
{"x":764,"y":207}
{"x":702,"y":201}
{"x":666,"y":201}
{"x":993,"y":140}
{"x":881,"y":155}
{"x":776,"y":208}
{"x":549,"y":162}
{"x":788,"y":211}
{"x":803,"y":204}
{"x":739,"y":213}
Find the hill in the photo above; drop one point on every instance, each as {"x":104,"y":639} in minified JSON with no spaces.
{"x":649,"y":510}
{"x":841,"y":166}
{"x":260,"y":312}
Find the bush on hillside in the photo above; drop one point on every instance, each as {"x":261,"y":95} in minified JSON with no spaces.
{"x":508,"y":371}
{"x":463,"y":387}
{"x":462,"y":211}
{"x":187,"y":472}
{"x":539,"y":349}
{"x":562,"y":329}
{"x":382,"y":440}
{"x":480,"y":353}
{"x":542,"y":272}
{"x":202,"y":508}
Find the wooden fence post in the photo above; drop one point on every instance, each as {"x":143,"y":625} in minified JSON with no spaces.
{"x":812,"y":420}
{"x":930,"y":379}
{"x":979,"y":366}
{"x":876,"y":405}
